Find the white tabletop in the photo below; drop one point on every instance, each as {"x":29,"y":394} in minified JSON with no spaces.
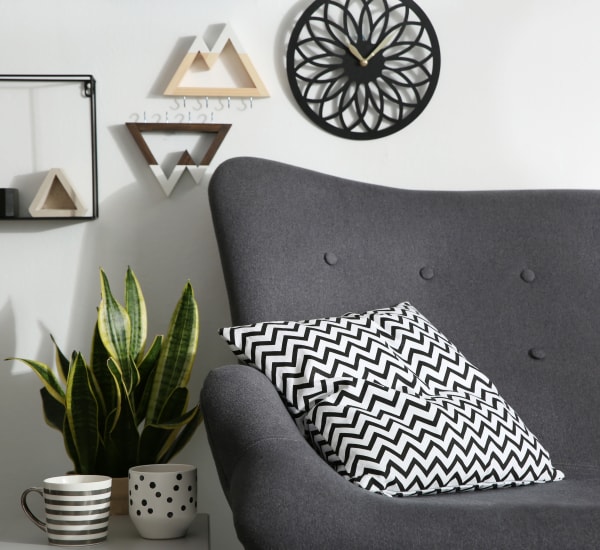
{"x":24,"y":535}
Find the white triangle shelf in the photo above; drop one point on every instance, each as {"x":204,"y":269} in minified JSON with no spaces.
{"x":199,"y":50}
{"x":56,"y":198}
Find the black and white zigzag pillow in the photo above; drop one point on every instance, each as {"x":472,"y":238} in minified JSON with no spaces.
{"x":403,"y":443}
{"x":306,"y":360}
{"x":420,"y":402}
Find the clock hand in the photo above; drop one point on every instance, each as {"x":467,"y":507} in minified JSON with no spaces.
{"x":379,"y":47}
{"x":354,"y":51}
{"x":365,"y":61}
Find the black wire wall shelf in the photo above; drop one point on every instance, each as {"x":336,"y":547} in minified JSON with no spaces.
{"x":48,"y":139}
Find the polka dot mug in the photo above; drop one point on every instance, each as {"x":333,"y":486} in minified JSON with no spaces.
{"x":162,"y":499}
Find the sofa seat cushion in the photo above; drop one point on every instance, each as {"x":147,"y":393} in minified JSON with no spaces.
{"x":392,"y":404}
{"x":554,"y":516}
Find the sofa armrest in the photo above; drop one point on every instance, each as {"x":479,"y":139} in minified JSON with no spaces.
{"x":241,"y":409}
{"x":276,"y":484}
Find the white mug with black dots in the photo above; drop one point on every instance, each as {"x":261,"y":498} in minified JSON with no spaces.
{"x":162,"y":499}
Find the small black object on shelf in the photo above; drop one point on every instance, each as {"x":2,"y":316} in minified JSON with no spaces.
{"x":9,"y":202}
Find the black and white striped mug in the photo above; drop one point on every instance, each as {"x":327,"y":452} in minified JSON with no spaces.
{"x":77,"y":509}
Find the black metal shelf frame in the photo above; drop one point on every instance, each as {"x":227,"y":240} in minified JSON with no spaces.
{"x":88,"y":83}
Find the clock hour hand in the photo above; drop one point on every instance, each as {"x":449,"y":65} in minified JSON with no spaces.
{"x":354,"y":51}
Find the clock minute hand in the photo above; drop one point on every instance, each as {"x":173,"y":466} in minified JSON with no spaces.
{"x":379,"y":47}
{"x":354,"y":51}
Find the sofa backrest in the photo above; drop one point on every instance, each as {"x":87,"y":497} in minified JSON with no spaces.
{"x":511,"y":277}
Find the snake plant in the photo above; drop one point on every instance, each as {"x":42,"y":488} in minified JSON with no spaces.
{"x":128,"y":405}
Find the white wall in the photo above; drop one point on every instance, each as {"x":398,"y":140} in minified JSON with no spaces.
{"x":515,"y":107}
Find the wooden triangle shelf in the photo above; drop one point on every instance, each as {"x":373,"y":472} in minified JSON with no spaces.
{"x":185,"y":161}
{"x":56,"y":198}
{"x":199,"y":50}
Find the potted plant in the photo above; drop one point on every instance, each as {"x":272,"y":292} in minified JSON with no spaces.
{"x":127,"y":405}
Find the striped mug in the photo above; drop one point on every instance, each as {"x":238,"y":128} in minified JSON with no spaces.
{"x":77,"y":509}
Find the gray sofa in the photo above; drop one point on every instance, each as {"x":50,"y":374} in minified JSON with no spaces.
{"x":511,"y":277}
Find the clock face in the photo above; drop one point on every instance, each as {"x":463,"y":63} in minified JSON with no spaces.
{"x":363,"y":69}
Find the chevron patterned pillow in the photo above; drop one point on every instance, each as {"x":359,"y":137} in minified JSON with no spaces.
{"x":392,"y":404}
{"x":306,"y":360}
{"x":403,"y":443}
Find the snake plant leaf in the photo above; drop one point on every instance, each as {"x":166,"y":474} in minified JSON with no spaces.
{"x":146,"y":369}
{"x":102,"y":378}
{"x":54,"y":411}
{"x":152,"y":440}
{"x":175,"y":405}
{"x":149,"y":361}
{"x":62,"y":361}
{"x":136,"y":309}
{"x":172,"y":430}
{"x":114,"y":405}
{"x":70,"y":446}
{"x":110,"y":423}
{"x":177,"y":354}
{"x":47,"y":376}
{"x":159,"y":436}
{"x":184,"y":436}
{"x":114,"y":327}
{"x":179,"y":422}
{"x":121,"y":445}
{"x":82,"y":414}
{"x":130,"y":375}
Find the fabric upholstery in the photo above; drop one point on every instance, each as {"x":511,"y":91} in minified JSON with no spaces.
{"x":284,"y":496}
{"x":512,"y":277}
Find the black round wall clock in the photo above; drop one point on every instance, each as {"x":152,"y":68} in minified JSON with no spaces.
{"x":363,"y":69}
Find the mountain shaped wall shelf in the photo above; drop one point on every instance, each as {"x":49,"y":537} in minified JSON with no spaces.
{"x":56,"y":198}
{"x":200,"y":54}
{"x":185,"y":163}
